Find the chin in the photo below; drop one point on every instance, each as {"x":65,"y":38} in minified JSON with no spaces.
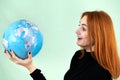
{"x":81,"y":45}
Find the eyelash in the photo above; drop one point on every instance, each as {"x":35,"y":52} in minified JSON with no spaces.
{"x":83,"y":29}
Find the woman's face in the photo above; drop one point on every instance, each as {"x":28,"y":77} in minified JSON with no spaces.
{"x":82,"y":33}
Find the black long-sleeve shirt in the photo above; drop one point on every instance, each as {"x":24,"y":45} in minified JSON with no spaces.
{"x":85,"y":68}
{"x":37,"y":75}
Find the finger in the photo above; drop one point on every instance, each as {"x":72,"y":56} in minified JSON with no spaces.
{"x":8,"y":54}
{"x":15,"y":58}
{"x":13,"y":54}
{"x":29,"y":55}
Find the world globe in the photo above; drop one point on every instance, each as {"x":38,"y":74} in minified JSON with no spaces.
{"x":23,"y":37}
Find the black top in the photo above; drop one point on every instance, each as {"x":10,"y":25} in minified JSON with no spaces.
{"x":37,"y":75}
{"x":85,"y":68}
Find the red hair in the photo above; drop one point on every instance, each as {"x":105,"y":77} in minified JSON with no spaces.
{"x":100,"y":29}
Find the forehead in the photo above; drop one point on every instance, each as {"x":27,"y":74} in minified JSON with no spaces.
{"x":83,"y":20}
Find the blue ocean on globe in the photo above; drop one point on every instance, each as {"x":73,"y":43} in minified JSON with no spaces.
{"x":22,"y":37}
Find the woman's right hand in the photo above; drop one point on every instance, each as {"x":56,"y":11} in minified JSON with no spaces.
{"x":28,"y":63}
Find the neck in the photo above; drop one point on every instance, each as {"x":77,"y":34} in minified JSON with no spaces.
{"x":88,"y":49}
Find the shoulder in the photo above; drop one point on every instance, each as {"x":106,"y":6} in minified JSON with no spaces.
{"x":78,"y":53}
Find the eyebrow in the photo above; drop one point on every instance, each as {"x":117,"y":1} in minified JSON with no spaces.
{"x":84,"y":25}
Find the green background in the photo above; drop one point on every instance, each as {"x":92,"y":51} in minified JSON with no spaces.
{"x":58,"y":21}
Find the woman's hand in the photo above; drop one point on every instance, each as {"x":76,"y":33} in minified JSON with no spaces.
{"x":26,"y":62}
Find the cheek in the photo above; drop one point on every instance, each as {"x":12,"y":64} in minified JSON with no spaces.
{"x":86,"y":41}
{"x":85,"y":38}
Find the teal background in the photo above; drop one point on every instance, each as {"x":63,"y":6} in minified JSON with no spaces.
{"x":57,"y":20}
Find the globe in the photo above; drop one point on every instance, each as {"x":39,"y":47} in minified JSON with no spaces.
{"x":22,"y":37}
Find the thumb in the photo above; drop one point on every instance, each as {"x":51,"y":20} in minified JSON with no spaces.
{"x":29,"y":55}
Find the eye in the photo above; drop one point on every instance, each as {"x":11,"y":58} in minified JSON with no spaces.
{"x":84,"y":29}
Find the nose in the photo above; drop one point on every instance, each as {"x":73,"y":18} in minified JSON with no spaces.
{"x":78,"y":31}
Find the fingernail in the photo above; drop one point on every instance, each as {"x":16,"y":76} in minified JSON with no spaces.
{"x":29,"y":52}
{"x":4,"y":51}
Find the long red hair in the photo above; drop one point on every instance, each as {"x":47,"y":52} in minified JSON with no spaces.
{"x":101,"y":30}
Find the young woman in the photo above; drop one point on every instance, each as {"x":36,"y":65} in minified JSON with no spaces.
{"x":97,"y":60}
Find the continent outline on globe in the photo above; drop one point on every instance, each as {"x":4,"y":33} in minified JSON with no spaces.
{"x":22,"y":37}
